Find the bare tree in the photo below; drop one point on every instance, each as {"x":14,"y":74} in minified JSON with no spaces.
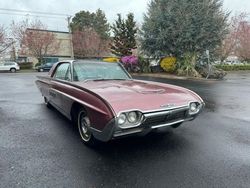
{"x":88,"y":43}
{"x":243,"y":42}
{"x":237,"y":41}
{"x":35,"y":39}
{"x":5,"y":43}
{"x":229,"y":44}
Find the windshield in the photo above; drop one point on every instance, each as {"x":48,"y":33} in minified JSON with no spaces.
{"x":85,"y":71}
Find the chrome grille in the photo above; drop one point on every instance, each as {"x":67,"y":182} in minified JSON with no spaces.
{"x":165,"y":118}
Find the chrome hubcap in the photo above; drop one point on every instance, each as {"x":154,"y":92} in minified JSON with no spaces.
{"x":83,"y":125}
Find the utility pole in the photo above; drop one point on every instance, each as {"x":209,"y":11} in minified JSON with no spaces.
{"x":70,"y":37}
{"x":208,"y":63}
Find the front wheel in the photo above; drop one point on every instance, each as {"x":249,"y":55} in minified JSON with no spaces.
{"x":83,"y":124}
{"x":13,"y":70}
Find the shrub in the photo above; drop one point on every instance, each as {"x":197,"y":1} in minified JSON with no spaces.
{"x":144,"y":65}
{"x":168,"y":64}
{"x":28,"y":65}
{"x":233,"y":67}
{"x":129,"y":60}
{"x":38,"y":64}
{"x":111,"y":59}
{"x":130,"y":63}
{"x":186,"y":65}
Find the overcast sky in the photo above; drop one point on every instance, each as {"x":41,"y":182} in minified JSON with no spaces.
{"x":111,"y":8}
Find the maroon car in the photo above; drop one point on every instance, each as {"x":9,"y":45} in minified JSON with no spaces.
{"x":106,"y":103}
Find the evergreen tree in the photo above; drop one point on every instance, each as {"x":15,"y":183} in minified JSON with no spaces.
{"x":86,"y":20}
{"x":183,"y":27}
{"x":124,"y":35}
{"x":101,"y":24}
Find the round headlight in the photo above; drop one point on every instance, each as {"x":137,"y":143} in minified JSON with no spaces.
{"x":193,"y":107}
{"x":122,"y":119}
{"x":132,"y":117}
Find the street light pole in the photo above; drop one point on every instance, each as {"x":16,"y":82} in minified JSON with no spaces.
{"x":70,"y":37}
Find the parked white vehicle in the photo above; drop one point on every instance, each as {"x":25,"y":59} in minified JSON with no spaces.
{"x":9,"y":66}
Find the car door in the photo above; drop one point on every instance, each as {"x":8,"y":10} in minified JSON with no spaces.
{"x":7,"y":66}
{"x":61,"y":76}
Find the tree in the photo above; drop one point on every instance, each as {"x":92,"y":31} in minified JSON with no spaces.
{"x":96,"y":21}
{"x":88,"y":43}
{"x":243,"y":41}
{"x":183,"y":28}
{"x":4,"y":42}
{"x":101,"y":25}
{"x":85,"y":22}
{"x":229,"y":44}
{"x":124,"y":40}
{"x":35,"y":39}
{"x":18,"y":29}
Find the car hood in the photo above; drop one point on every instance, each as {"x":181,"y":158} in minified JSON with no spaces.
{"x":140,"y":95}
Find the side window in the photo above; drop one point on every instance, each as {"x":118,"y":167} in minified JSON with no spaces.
{"x":63,"y":72}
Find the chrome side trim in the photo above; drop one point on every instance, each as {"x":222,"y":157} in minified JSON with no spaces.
{"x":71,"y":84}
{"x":79,"y":101}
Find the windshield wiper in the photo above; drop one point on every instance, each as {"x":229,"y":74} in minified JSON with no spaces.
{"x":103,"y":79}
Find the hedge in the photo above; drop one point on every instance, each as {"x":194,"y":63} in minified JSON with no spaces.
{"x":28,"y":65}
{"x":233,"y":67}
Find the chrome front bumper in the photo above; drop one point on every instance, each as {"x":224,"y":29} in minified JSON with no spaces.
{"x":152,"y":120}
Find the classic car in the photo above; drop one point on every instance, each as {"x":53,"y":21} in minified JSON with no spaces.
{"x":105,"y":102}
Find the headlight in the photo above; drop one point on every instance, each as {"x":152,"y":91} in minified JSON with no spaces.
{"x":132,"y":117}
{"x":194,"y":108}
{"x":122,"y":119}
{"x":129,"y":119}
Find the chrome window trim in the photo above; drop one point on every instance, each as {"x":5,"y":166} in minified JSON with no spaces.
{"x":68,"y":70}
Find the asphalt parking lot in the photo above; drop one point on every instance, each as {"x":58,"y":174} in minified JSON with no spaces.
{"x":40,"y":148}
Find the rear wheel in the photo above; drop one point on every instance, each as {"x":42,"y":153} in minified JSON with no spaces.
{"x":83,"y":124}
{"x":47,"y":103}
{"x":13,"y":70}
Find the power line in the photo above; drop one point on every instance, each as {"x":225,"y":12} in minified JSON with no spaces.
{"x":35,"y":12}
{"x":33,"y":15}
